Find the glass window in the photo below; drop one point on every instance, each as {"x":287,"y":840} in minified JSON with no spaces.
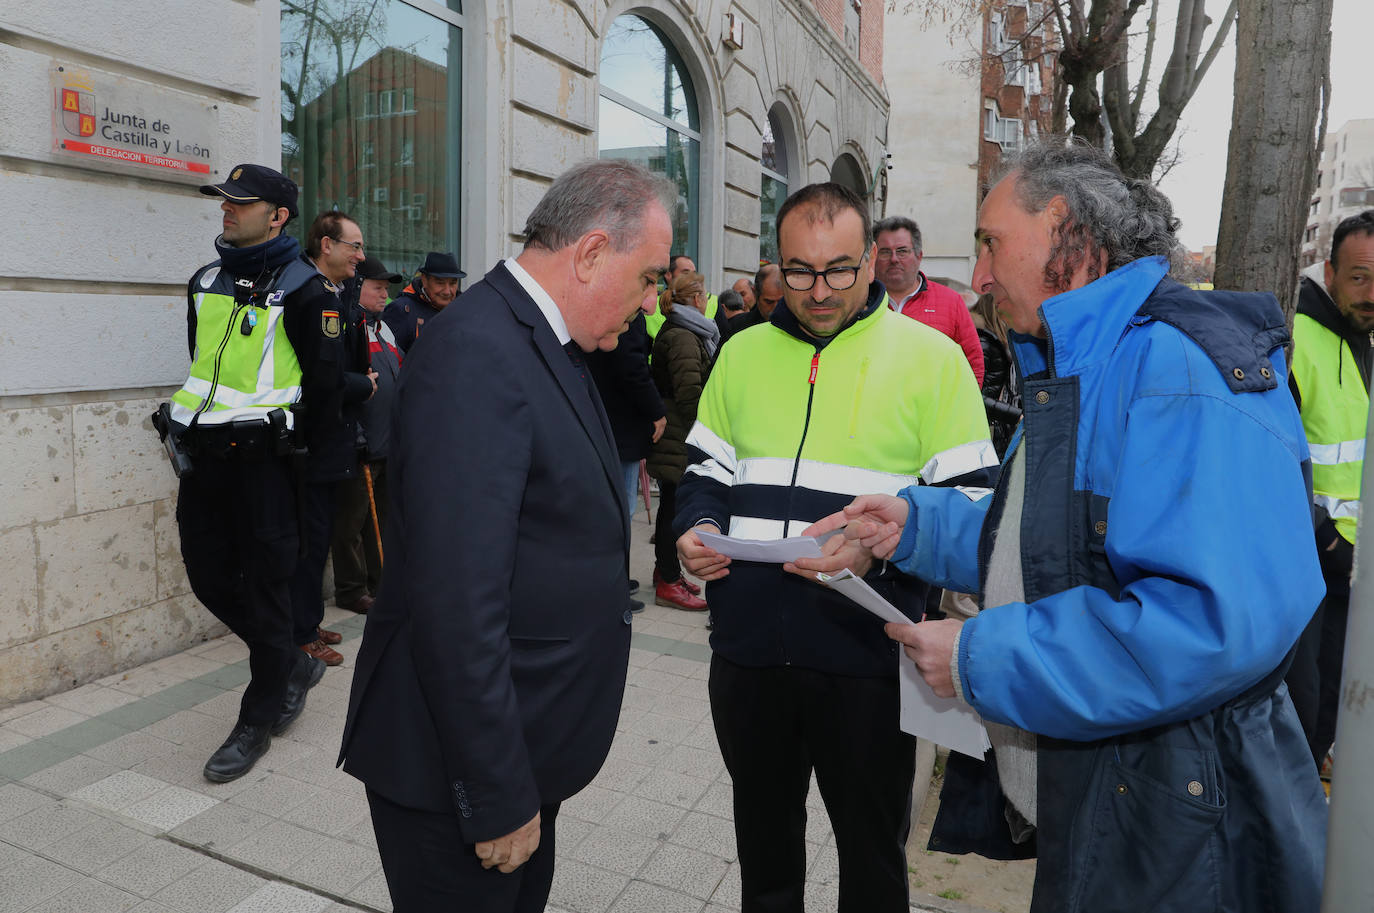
{"x":648,"y":114}
{"x":370,"y":118}
{"x":773,"y":188}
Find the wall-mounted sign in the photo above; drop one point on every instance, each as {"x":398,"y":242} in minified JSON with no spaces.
{"x":115,"y":123}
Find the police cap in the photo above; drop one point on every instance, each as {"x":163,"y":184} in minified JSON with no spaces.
{"x":249,"y":183}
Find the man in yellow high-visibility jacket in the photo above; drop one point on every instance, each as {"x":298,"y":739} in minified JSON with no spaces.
{"x":1333,"y":352}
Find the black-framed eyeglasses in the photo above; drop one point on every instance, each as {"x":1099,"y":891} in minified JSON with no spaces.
{"x":358,"y":245}
{"x":837,"y":278}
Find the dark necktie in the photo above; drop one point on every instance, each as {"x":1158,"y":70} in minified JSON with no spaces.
{"x":579,"y":361}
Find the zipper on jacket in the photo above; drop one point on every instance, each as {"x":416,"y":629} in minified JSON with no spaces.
{"x":806,"y":426}
{"x":219,"y":355}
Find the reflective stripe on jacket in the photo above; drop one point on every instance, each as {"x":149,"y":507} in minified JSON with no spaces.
{"x":1335,"y":408}
{"x":790,"y":429}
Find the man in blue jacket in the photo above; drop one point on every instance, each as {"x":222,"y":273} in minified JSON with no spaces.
{"x":1144,"y":567}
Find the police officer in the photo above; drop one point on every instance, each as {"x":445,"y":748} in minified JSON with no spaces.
{"x":263,"y":330}
{"x":334,"y":246}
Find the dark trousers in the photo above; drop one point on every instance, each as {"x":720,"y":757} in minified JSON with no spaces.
{"x":775,"y":725}
{"x":307,"y":585}
{"x":665,"y":542}
{"x":1314,"y":678}
{"x":237,"y":519}
{"x":357,"y":558}
{"x":429,"y":869}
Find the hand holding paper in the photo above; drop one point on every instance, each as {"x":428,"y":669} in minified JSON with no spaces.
{"x":930,"y":645}
{"x":925,"y":714}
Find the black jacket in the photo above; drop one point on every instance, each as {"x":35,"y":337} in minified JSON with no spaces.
{"x":627,"y":391}
{"x":406,"y":313}
{"x":492,"y":667}
{"x":332,"y":422}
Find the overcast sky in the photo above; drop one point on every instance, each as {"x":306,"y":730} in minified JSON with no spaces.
{"x":1195,"y":184}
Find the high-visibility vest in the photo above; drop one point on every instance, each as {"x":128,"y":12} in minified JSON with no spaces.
{"x":244,"y":365}
{"x":1335,"y":407}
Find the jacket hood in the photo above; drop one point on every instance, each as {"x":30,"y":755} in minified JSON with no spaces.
{"x":1237,"y":330}
{"x":1315,"y":301}
{"x":785,"y":320}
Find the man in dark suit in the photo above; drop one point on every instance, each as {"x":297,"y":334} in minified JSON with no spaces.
{"x":490,"y":675}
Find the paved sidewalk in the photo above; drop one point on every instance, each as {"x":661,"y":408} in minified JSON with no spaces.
{"x":103,"y":806}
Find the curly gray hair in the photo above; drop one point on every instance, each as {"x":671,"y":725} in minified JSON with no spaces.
{"x":1109,"y":213}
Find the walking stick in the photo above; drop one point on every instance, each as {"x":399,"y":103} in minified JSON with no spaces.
{"x":372,"y":506}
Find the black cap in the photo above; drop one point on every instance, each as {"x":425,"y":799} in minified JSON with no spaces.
{"x":441,"y":266}
{"x":250,"y":183}
{"x":372,"y":268}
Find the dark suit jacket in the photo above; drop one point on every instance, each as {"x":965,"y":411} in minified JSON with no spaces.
{"x":628,"y":392}
{"x":492,"y":666}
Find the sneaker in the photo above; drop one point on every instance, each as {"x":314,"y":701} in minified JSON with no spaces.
{"x":687,"y":585}
{"x":238,"y":754}
{"x":676,"y":596}
{"x":634,"y":585}
{"x":636,"y":606}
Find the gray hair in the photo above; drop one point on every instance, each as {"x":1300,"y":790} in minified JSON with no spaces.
{"x":1109,"y":213}
{"x":901,"y":223}
{"x":610,"y":194}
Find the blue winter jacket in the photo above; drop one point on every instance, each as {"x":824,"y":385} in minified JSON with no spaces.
{"x":1168,"y":569}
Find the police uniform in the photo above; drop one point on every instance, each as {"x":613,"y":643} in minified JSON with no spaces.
{"x":264,"y":335}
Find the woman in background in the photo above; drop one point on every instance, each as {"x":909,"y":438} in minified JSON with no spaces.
{"x":683,"y":351}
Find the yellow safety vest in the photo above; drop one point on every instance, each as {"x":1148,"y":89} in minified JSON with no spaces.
{"x":244,"y":365}
{"x":1335,"y":407}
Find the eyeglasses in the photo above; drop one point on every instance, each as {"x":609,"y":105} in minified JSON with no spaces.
{"x":900,"y":253}
{"x":356,"y":245}
{"x":838,"y":278}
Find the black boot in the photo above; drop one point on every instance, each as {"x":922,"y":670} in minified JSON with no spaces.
{"x":304,"y":676}
{"x":238,"y":754}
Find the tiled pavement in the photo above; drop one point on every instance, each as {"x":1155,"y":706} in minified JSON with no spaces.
{"x":103,"y":808}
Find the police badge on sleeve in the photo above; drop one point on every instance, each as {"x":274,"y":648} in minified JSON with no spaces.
{"x":329,"y":324}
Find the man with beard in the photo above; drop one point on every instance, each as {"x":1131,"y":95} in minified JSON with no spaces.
{"x":1333,"y":336}
{"x":434,"y":290}
{"x":797,"y":413}
{"x":264,"y":332}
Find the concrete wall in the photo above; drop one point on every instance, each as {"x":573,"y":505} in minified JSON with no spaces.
{"x":92,"y":288}
{"x":93,"y":265}
{"x":933,"y":135}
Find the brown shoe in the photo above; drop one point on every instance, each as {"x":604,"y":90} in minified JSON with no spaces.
{"x":359,"y":605}
{"x":323,"y":652}
{"x":329,"y":637}
{"x":675,"y":596}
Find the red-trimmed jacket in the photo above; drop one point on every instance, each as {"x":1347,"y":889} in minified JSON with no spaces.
{"x":943,"y":308}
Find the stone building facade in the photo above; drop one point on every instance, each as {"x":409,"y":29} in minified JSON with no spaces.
{"x":358,"y":103}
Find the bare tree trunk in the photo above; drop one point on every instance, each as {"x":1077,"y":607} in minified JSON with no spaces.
{"x":1283,"y":55}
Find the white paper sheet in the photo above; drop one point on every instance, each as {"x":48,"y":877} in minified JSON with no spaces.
{"x":945,"y":721}
{"x":771,"y":551}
